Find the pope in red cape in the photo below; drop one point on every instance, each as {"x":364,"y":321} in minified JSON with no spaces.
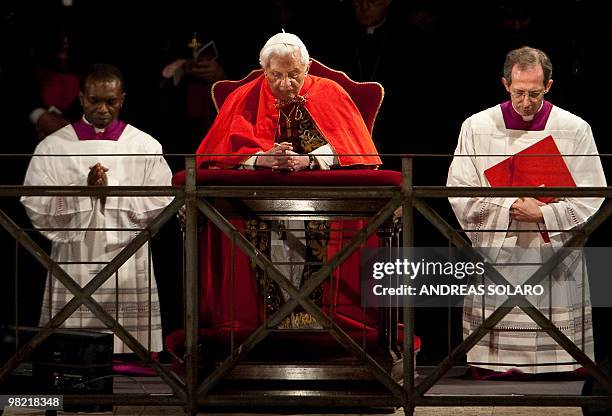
{"x":249,"y":120}
{"x":285,"y":120}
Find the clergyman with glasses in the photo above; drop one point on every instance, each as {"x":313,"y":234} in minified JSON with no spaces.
{"x":526,"y":227}
{"x":301,"y":120}
{"x":287,"y":120}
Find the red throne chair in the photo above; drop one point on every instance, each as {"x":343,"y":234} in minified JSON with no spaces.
{"x":231,"y":306}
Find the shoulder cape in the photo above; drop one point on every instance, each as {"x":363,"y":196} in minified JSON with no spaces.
{"x":248,"y":119}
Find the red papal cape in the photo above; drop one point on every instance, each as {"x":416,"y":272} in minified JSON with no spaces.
{"x":247,"y":124}
{"x":248,"y":121}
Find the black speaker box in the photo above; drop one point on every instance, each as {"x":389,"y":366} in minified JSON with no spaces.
{"x":67,"y":362}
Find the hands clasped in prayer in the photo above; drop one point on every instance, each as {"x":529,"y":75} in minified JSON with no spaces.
{"x":93,"y":232}
{"x":97,"y":175}
{"x":282,"y":157}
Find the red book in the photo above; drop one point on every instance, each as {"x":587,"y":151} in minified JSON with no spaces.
{"x":540,"y":164}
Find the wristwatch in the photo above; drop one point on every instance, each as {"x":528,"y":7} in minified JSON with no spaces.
{"x":312,"y":162}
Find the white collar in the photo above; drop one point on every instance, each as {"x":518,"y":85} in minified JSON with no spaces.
{"x":97,"y":130}
{"x":528,"y":118}
{"x":371,"y":29}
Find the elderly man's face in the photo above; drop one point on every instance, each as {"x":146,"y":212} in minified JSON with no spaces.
{"x":527,"y":89}
{"x":285,"y":75}
{"x":101,"y":101}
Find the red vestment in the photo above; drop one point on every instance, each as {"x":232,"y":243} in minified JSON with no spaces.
{"x":248,"y":121}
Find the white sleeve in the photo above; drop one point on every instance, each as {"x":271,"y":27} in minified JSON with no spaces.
{"x":476,"y":213}
{"x":569,"y":213}
{"x":249,"y":164}
{"x":56,"y":211}
{"x":137,"y":212}
{"x":325,"y":157}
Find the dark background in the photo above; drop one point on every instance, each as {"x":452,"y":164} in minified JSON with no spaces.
{"x":439,"y":63}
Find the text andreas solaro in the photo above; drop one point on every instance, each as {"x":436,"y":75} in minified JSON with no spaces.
{"x":430,"y":277}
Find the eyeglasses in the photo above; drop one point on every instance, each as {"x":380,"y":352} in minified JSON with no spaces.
{"x":277,"y":76}
{"x":533,"y":95}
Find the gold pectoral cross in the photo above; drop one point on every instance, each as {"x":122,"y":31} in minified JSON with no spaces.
{"x":288,"y":119}
{"x":194,"y":44}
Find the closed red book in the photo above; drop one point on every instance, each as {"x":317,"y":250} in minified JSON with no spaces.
{"x":540,"y":164}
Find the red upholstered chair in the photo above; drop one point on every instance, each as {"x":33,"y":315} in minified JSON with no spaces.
{"x":345,"y":308}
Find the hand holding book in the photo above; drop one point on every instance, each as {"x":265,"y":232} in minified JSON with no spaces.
{"x":204,"y":64}
{"x":540,"y":164}
{"x":527,"y":210}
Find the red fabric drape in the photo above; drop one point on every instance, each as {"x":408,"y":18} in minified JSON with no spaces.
{"x":217,"y":297}
{"x":248,"y":119}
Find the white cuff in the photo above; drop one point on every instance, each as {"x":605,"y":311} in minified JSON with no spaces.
{"x":550,"y":221}
{"x":36,"y":114}
{"x":508,"y":202}
{"x":177,"y":76}
{"x":327,"y":161}
{"x":249,"y":164}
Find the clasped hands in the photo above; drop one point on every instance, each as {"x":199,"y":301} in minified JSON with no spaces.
{"x":282,"y":157}
{"x":527,"y":210}
{"x":97,"y":175}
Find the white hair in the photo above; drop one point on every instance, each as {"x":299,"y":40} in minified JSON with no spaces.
{"x":283,"y":44}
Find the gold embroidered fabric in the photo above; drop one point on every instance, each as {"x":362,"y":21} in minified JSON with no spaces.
{"x":317,"y":238}
{"x":297,"y":127}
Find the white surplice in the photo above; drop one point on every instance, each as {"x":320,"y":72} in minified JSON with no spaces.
{"x":485,"y":134}
{"x":135,"y":280}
